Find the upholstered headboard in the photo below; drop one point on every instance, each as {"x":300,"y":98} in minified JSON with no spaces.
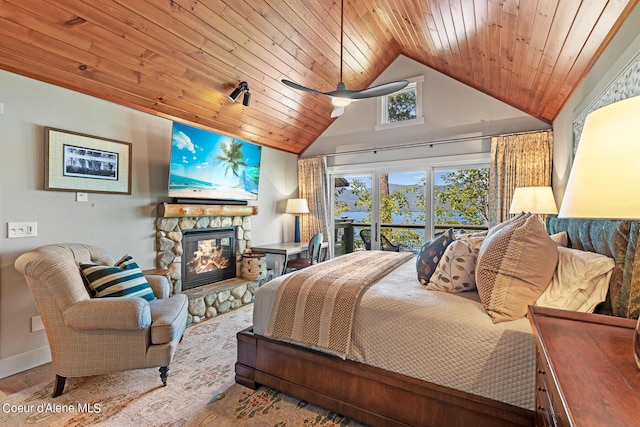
{"x":617,"y":239}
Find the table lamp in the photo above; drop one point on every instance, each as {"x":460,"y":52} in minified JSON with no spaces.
{"x":604,"y":178}
{"x":297,"y":207}
{"x":537,"y":200}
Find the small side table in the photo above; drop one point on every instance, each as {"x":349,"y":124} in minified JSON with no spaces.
{"x":586,"y":374}
{"x":157,"y":272}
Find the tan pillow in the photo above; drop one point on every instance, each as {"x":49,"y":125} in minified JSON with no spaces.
{"x":515,"y":265}
{"x":580,"y":282}
{"x":561,"y":239}
{"x":474,"y":240}
{"x":456,"y":270}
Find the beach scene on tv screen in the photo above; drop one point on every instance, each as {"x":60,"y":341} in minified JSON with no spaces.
{"x":209,"y":165}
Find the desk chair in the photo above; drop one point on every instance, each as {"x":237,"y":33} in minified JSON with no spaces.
{"x":314,"y":254}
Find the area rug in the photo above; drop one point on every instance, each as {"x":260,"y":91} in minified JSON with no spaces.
{"x":200,"y":392}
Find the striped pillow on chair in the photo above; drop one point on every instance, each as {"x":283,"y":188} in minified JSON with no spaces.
{"x":124,"y":279}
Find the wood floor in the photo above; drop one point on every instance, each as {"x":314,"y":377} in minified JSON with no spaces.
{"x":26,"y":379}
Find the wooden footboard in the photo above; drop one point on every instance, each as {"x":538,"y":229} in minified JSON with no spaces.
{"x":364,"y":393}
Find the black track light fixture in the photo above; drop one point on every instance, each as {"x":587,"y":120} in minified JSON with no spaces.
{"x":235,"y":94}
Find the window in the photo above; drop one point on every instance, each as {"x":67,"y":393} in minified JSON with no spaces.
{"x":460,"y":198}
{"x":406,"y":207}
{"x":401,"y":105}
{"x":401,"y":108}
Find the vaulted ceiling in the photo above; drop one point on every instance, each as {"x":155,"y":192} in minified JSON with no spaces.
{"x":181,"y":58}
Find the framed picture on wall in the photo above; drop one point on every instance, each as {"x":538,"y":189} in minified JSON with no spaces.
{"x":79,"y":162}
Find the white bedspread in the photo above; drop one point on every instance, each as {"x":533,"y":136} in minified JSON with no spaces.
{"x":446,"y":339}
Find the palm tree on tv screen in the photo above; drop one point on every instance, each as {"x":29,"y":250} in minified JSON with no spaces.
{"x":232,"y":157}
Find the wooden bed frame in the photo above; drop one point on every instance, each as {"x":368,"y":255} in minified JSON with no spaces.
{"x":364,"y":393}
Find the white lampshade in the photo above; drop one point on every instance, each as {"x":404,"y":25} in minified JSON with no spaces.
{"x":605,"y":176}
{"x":297,"y":206}
{"x":537,"y":200}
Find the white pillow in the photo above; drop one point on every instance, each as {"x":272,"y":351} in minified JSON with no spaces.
{"x":580,"y":282}
{"x":456,"y":269}
{"x":561,"y":239}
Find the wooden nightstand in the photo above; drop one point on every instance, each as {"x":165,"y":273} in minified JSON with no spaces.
{"x":586,"y":374}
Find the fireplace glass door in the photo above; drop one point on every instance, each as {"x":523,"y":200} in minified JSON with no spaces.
{"x":208,"y":257}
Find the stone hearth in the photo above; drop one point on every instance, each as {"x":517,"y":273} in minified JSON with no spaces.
{"x":216,"y":298}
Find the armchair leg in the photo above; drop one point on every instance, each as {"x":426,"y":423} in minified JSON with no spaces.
{"x":58,"y":387}
{"x":164,"y":373}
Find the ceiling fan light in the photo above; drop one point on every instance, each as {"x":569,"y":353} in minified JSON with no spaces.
{"x":340,"y":102}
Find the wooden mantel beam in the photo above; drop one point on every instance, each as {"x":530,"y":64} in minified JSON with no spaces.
{"x":177,"y":210}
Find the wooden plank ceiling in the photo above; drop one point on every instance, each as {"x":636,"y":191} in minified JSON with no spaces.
{"x":181,"y":58}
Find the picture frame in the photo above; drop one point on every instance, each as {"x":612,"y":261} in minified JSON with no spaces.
{"x":86,"y":163}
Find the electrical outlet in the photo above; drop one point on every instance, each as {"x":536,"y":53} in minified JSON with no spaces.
{"x":22,"y":229}
{"x":36,"y":324}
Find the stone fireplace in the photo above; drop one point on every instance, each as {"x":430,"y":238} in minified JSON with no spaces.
{"x":177,"y":225}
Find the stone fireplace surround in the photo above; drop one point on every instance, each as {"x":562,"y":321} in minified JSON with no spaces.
{"x":217,"y":298}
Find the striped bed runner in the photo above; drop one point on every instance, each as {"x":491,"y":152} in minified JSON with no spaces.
{"x":315,"y":306}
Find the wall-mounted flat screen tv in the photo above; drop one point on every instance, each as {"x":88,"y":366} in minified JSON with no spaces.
{"x":209,"y":165}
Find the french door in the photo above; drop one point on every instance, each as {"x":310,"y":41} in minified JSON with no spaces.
{"x":380,"y":209}
{"x":355,"y":211}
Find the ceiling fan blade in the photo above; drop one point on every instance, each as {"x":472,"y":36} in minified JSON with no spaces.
{"x":300,"y":87}
{"x":372,"y":92}
{"x":380,"y":90}
{"x":337,"y":112}
{"x":341,"y":92}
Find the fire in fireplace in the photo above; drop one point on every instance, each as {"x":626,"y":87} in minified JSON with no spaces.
{"x":208,"y":256}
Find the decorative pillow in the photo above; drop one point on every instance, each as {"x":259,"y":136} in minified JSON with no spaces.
{"x":456,"y":270}
{"x":430,"y":255}
{"x":580,"y":282}
{"x":462,"y":235}
{"x":474,"y":240}
{"x":127,"y":263}
{"x":515,"y":265}
{"x":124,"y":279}
{"x":506,"y":223}
{"x":561,"y":239}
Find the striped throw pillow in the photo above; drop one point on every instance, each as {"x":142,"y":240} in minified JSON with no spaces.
{"x":124,"y":279}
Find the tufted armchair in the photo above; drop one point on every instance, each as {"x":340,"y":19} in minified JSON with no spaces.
{"x":90,"y":336}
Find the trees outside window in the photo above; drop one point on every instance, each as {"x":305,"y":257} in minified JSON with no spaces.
{"x":401,"y":108}
{"x":463,"y":197}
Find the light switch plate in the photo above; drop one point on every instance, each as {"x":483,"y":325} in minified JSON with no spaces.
{"x":22,"y":229}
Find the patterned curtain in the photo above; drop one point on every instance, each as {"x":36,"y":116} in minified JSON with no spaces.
{"x":518,"y":160}
{"x":312,"y":185}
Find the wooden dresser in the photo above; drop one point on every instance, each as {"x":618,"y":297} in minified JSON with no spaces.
{"x":586,"y":374}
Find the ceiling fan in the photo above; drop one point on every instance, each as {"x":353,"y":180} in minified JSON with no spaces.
{"x":342,"y":97}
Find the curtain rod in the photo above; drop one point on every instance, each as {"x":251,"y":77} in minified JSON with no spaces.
{"x":430,"y":143}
